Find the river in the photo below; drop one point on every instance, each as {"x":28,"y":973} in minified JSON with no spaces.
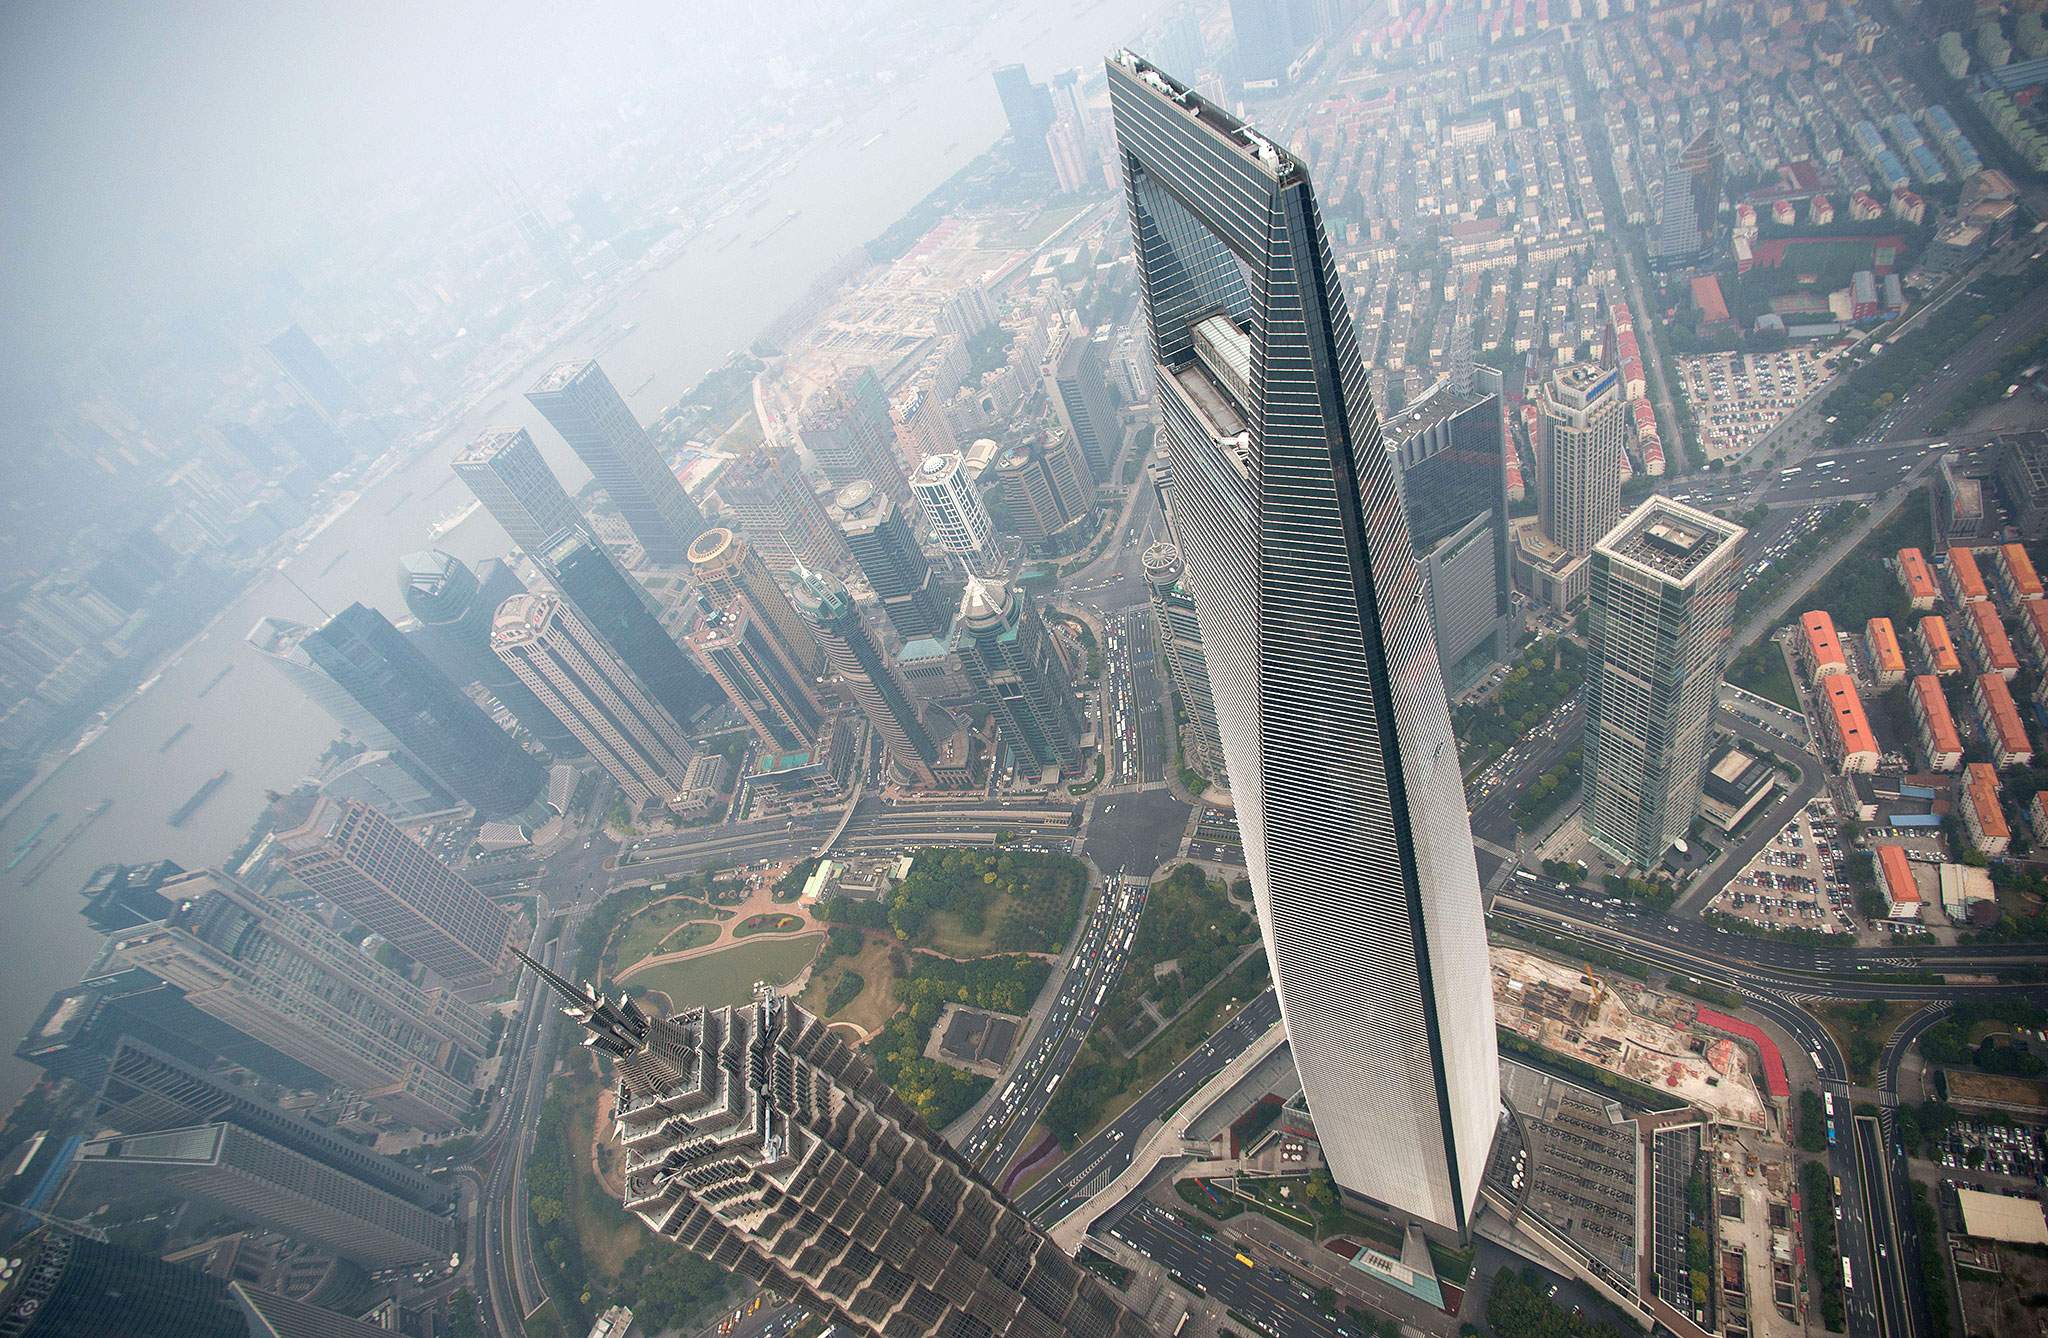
{"x":690,"y":316}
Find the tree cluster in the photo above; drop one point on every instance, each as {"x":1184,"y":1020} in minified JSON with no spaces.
{"x":1519,"y":1307}
{"x":1040,"y":896}
{"x":1191,"y":921}
{"x":939,"y":1092}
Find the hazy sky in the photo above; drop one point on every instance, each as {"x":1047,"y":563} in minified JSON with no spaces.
{"x":151,"y":143}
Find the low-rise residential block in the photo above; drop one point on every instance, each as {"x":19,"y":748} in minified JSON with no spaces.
{"x":1938,"y":648}
{"x":1887,"y":659}
{"x":1917,"y":580}
{"x":1983,"y":819}
{"x":2003,"y":731}
{"x":1939,"y":742}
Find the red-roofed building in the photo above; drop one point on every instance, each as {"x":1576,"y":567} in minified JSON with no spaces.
{"x":1965,"y":581}
{"x":1895,"y":876}
{"x":1775,"y":1081}
{"x":1939,"y":741}
{"x":1820,"y":650}
{"x":2010,"y":746}
{"x":2034,"y":632}
{"x":1938,"y":648}
{"x":1989,"y":643}
{"x":1917,"y":580}
{"x":1706,"y":295}
{"x":2016,"y":574}
{"x":1983,"y":819}
{"x":1848,"y":726}
{"x":1887,"y":659}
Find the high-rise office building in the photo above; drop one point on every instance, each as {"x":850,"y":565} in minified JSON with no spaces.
{"x":1028,"y":108}
{"x":1080,"y":396}
{"x":778,"y":513}
{"x":617,"y":716}
{"x":1179,"y":630}
{"x":1329,"y":700}
{"x":1579,"y":455}
{"x":958,"y":521}
{"x":504,"y":469}
{"x":887,"y":555}
{"x":624,"y":617}
{"x":810,"y":1176}
{"x":1178,"y":44}
{"x":726,"y":568}
{"x":425,"y":712}
{"x":54,"y":1284}
{"x":1688,"y":215}
{"x":282,"y":644}
{"x":314,"y":373}
{"x":455,"y":608}
{"x":1452,"y":456}
{"x":869,"y":679}
{"x":1017,"y":672}
{"x":276,"y":974}
{"x":314,"y":441}
{"x":848,"y":431}
{"x":579,"y":401}
{"x":147,"y":1090}
{"x":775,"y":696}
{"x":121,"y":896}
{"x":1661,"y":598}
{"x":391,"y":783}
{"x":234,"y":1170}
{"x":1266,"y":44}
{"x":352,"y":856}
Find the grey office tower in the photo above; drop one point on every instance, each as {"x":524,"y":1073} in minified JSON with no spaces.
{"x":1017,"y":672}
{"x":579,"y":401}
{"x":889,"y":558}
{"x":615,"y":607}
{"x":1329,"y":700}
{"x":757,"y":1138}
{"x":504,"y":469}
{"x":455,"y":608}
{"x":865,"y":675}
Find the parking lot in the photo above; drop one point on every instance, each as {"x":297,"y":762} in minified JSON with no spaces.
{"x":1737,"y":397}
{"x":2005,"y":1149}
{"x":1795,"y":882}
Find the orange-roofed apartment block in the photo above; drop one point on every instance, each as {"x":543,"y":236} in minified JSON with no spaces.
{"x":1918,"y":581}
{"x":1938,"y":648}
{"x":1983,"y":819}
{"x":1901,"y":892}
{"x":2016,"y":575}
{"x":1848,"y":727}
{"x":1989,"y":644}
{"x":1939,"y":741}
{"x":1965,"y":582}
{"x":1820,"y":649}
{"x":1887,"y":660}
{"x":2037,"y":816}
{"x":2034,"y":632}
{"x":2010,"y":746}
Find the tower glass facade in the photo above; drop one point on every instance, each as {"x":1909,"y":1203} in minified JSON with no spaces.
{"x":779,"y":514}
{"x":1179,"y":630}
{"x":455,"y":608}
{"x":889,"y":558}
{"x":958,"y":521}
{"x":1017,"y":672}
{"x":1579,"y":456}
{"x":578,"y":399}
{"x":615,"y":607}
{"x":1661,"y":599}
{"x":504,"y":469}
{"x":1329,"y":700}
{"x":865,"y":675}
{"x":727,"y":568}
{"x":774,"y":695}
{"x":848,"y":431}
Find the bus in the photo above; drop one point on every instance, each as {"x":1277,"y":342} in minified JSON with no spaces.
{"x":1178,"y":1328}
{"x":1838,"y":1186}
{"x":1831,"y":1133}
{"x":1848,"y":1278}
{"x":1831,"y":1105}
{"x":1246,"y":1261}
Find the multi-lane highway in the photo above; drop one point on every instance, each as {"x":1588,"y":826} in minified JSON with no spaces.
{"x":1203,"y":1266}
{"x":1112,"y":926}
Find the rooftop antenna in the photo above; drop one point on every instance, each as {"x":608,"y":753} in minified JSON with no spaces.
{"x":302,"y":591}
{"x":618,"y":1029}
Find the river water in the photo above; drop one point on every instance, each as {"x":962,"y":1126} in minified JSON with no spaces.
{"x":690,"y":316}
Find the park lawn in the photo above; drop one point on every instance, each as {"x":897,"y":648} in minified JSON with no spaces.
{"x":608,"y":1236}
{"x":770,"y":924}
{"x":684,"y":937}
{"x":1027,"y":233}
{"x":643,"y":934}
{"x":1807,"y":257}
{"x":872,"y":1008}
{"x":728,"y":977}
{"x":943,"y":932}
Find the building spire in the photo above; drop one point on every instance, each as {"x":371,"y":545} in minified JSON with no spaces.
{"x":618,"y":1029}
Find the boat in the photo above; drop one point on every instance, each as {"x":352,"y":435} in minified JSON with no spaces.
{"x":213,"y":682}
{"x":176,"y":734}
{"x":452,"y":519}
{"x":645,"y":382}
{"x":199,"y":797}
{"x":334,"y":561}
{"x":42,"y":865}
{"x":872,"y":138}
{"x":787,"y":219}
{"x":629,"y":327}
{"x":27,"y":844}
{"x":403,"y":498}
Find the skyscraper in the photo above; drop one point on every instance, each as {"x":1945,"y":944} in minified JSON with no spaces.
{"x":425,"y":712}
{"x":726,"y":568}
{"x":958,"y":521}
{"x":619,"y":611}
{"x":848,"y":431}
{"x":1080,"y":396}
{"x":579,"y":401}
{"x":504,"y":469}
{"x":1187,"y":666}
{"x":122,"y":896}
{"x":230,"y":1168}
{"x":351,"y":855}
{"x":868,"y":678}
{"x":889,"y":558}
{"x":282,"y":644}
{"x":391,"y":783}
{"x":1329,"y":700}
{"x":774,"y":695}
{"x":455,"y":608}
{"x":1265,"y":44}
{"x":276,"y":974}
{"x":1579,"y":455}
{"x":1017,"y":672}
{"x":1661,"y":597}
{"x":314,"y":373}
{"x":806,"y":1174}
{"x":1041,"y":490}
{"x":617,"y":716}
{"x":1688,"y":215}
{"x":778,"y":513}
{"x":1451,"y":453}
{"x":1028,"y":107}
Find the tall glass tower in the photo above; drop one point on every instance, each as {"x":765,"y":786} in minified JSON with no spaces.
{"x":1321,"y":656}
{"x":619,"y":610}
{"x":579,"y":400}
